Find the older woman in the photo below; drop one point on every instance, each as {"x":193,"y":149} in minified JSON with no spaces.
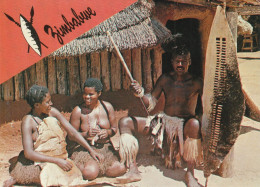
{"x":44,"y":159}
{"x":95,"y":120}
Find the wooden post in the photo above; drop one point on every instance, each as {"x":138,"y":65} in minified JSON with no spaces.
{"x":30,"y":77}
{"x":95,"y":65}
{"x":115,"y":66}
{"x":73,"y":69}
{"x":83,"y":68}
{"x":8,"y":88}
{"x":147,"y":70}
{"x":125,"y":78}
{"x":61,"y":73}
{"x":52,"y":84}
{"x":40,"y":75}
{"x":226,"y":168}
{"x":137,"y":65}
{"x":19,"y":86}
{"x":157,"y":63}
{"x":105,"y":72}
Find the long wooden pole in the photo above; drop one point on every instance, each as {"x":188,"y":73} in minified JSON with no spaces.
{"x":125,"y":66}
{"x":121,"y":57}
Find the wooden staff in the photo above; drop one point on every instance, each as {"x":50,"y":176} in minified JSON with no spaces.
{"x":125,"y":66}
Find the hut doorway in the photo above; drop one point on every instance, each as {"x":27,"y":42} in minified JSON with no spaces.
{"x":190,"y":30}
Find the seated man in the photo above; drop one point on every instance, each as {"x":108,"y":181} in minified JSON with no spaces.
{"x":95,"y":120}
{"x":181,"y":91}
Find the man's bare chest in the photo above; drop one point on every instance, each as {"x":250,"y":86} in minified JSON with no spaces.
{"x":183,"y":90}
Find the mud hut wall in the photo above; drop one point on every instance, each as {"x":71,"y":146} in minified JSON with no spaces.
{"x":165,"y":11}
{"x":66,"y":75}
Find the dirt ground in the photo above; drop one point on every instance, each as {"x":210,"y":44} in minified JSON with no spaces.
{"x":246,"y":162}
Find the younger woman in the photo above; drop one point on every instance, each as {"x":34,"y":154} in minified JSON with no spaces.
{"x":95,"y":120}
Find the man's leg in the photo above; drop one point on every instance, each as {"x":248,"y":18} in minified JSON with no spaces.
{"x":128,"y":146}
{"x":192,"y":149}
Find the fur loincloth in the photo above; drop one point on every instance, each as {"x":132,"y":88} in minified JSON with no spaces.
{"x":161,"y":124}
{"x":81,"y":156}
{"x":24,"y":171}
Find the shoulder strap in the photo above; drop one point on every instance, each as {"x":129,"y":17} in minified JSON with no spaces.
{"x":35,"y":120}
{"x":104,"y":106}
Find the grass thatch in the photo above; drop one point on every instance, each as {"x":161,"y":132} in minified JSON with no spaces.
{"x":130,"y":28}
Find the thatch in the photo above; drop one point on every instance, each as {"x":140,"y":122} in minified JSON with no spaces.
{"x":239,"y":2}
{"x":229,"y":3}
{"x":251,"y":2}
{"x":243,"y":27}
{"x":130,"y":28}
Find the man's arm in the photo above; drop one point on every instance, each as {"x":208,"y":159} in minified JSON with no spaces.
{"x":149,"y":99}
{"x":158,"y":88}
{"x":199,"y":108}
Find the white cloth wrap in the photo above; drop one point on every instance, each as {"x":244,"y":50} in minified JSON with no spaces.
{"x":51,"y":142}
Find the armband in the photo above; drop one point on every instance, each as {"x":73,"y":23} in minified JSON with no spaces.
{"x":112,"y":132}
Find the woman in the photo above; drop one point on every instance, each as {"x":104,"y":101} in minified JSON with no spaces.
{"x":95,"y":120}
{"x":44,"y":142}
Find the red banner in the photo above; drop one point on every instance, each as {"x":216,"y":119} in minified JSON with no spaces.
{"x":31,"y":30}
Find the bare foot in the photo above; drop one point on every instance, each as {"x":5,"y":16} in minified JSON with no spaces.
{"x":9,"y":182}
{"x":131,"y":176}
{"x":178,"y":164}
{"x":191,"y":181}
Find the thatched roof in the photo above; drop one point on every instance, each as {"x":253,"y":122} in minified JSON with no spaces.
{"x":229,"y":3}
{"x":130,"y":28}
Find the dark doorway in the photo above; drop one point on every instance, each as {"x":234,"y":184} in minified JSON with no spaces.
{"x":190,"y":30}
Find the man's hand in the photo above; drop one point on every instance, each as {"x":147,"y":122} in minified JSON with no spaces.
{"x":63,"y":164}
{"x":96,"y":156}
{"x":137,"y":89}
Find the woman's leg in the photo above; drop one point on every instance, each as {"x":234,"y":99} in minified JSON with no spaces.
{"x":90,"y":170}
{"x":116,"y":169}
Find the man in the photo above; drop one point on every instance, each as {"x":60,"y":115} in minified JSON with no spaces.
{"x":181,"y":90}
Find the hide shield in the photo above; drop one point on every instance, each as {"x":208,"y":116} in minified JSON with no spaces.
{"x":223,"y":99}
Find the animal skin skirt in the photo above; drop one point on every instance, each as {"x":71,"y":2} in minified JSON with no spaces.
{"x":24,"y":171}
{"x":81,"y":156}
